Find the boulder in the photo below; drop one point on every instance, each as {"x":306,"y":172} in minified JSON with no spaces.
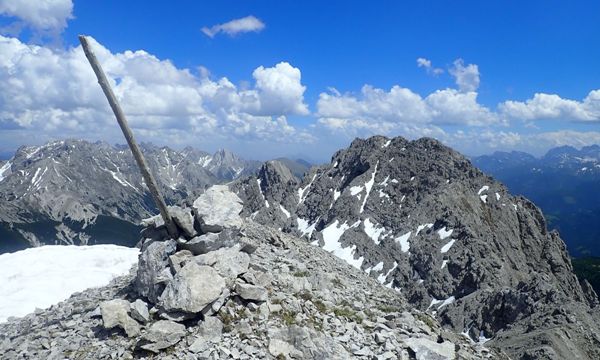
{"x":179,"y":259}
{"x":139,"y":311}
{"x":251,"y":292}
{"x":115,"y":314}
{"x":203,"y":244}
{"x":426,"y":349}
{"x":161,"y":335}
{"x":184,"y":220}
{"x":229,"y":262}
{"x":218,"y":208}
{"x":153,"y":271}
{"x":192,"y":289}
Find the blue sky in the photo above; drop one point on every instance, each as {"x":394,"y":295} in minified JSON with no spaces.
{"x":346,"y":69}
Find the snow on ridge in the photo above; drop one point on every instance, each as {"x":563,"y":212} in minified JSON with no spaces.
{"x":497,"y":197}
{"x":368,"y":187}
{"x":336,"y":195}
{"x":483,"y":198}
{"x":43,"y":276}
{"x":331,"y":236}
{"x":385,"y":181}
{"x":387,"y":144}
{"x":403,"y":241}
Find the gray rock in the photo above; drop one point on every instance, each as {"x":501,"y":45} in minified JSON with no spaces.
{"x":115,"y":314}
{"x":152,"y":272}
{"x":211,"y":328}
{"x":161,"y":335}
{"x":426,"y":349}
{"x":184,"y":220}
{"x":139,"y":311}
{"x":251,"y":292}
{"x":229,"y":262}
{"x":192,"y":289}
{"x":202,"y":244}
{"x":218,"y":208}
{"x":180,"y":258}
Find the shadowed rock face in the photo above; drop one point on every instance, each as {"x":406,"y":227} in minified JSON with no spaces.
{"x":421,"y":219}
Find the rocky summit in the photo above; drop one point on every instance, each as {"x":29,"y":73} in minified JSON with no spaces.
{"x":251,"y":292}
{"x":418,"y":218}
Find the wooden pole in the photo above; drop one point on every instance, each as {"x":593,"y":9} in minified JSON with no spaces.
{"x":137,"y":154}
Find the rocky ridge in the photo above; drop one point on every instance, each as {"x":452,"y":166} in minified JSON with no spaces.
{"x":250,"y":292}
{"x":419,"y":218}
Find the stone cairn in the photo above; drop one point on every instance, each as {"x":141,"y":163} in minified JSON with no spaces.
{"x":188,"y":280}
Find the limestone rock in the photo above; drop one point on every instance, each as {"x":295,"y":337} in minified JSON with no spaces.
{"x":184,"y":220}
{"x":192,"y":289}
{"x":115,"y":314}
{"x":139,"y":311}
{"x":251,"y":292}
{"x":180,"y":258}
{"x":161,"y":335}
{"x":229,"y":262}
{"x":426,"y":349}
{"x":218,"y":208}
{"x":202,"y":244}
{"x":151,"y":274}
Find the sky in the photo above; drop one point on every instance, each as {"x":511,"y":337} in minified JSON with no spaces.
{"x":303,"y":79}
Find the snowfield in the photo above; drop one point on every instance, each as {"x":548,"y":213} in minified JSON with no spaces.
{"x":43,"y":276}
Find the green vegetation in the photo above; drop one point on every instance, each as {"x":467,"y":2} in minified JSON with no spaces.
{"x":301,"y":274}
{"x":588,"y":268}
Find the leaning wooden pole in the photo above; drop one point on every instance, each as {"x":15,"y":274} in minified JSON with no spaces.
{"x":137,"y":154}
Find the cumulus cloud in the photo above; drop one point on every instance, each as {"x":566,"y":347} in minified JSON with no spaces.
{"x":466,"y":77}
{"x":552,"y":106}
{"x":55,"y":92}
{"x":48,"y":17}
{"x":383,"y":111}
{"x":234,"y":27}
{"x":426,"y":64}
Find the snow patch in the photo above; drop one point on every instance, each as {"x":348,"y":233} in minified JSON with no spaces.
{"x":483,"y":188}
{"x":302,"y":192}
{"x":336,"y":195}
{"x":385,"y":181}
{"x":283,"y":210}
{"x":444,"y":232}
{"x":422,"y":227}
{"x":368,"y":186}
{"x":4,"y":169}
{"x":444,"y":263}
{"x":387,"y":144}
{"x":484,"y":198}
{"x":373,"y":231}
{"x":447,"y":247}
{"x":403,"y":241}
{"x":497,"y":197}
{"x":43,"y":276}
{"x":355,"y":190}
{"x":305,"y":228}
{"x":331,"y":237}
{"x":448,"y":301}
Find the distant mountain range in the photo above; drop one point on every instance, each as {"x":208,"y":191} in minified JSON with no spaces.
{"x":77,"y":192}
{"x":564,"y":183}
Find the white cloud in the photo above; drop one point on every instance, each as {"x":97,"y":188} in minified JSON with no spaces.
{"x":466,"y":77}
{"x":47,"y":16}
{"x":381,"y":110}
{"x":552,"y":106}
{"x":426,"y":63}
{"x":55,"y":92}
{"x":234,"y":27}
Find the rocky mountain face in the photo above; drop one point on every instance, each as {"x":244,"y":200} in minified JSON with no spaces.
{"x":420,"y":219}
{"x":75,"y":192}
{"x":564,"y":183}
{"x":229,"y":288}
